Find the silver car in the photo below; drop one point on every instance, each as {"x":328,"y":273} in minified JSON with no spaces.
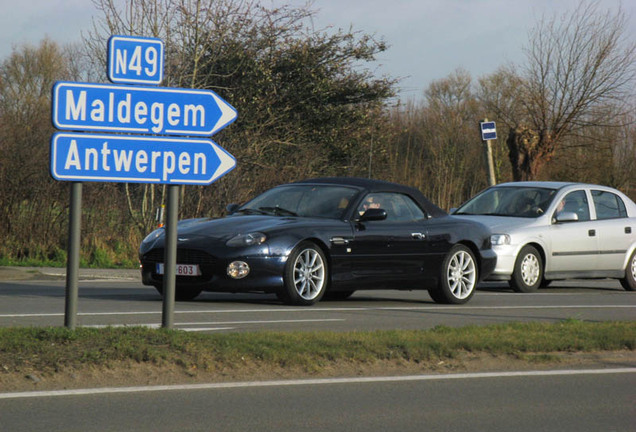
{"x":544,"y":231}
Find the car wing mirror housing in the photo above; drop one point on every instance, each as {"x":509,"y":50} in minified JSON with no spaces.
{"x":565,"y":217}
{"x":375,"y":214}
{"x":231,"y":208}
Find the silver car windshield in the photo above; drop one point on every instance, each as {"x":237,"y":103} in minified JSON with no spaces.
{"x":302,"y":200}
{"x":511,"y":201}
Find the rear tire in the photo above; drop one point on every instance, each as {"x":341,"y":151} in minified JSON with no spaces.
{"x":306,"y":275}
{"x":629,"y":281}
{"x":528,"y":273}
{"x":458,"y":278}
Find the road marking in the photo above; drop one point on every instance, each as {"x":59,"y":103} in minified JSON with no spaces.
{"x":301,"y":382}
{"x":436,"y":308}
{"x":215,"y":323}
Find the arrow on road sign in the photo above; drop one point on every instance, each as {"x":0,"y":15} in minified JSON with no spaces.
{"x":138,"y":159}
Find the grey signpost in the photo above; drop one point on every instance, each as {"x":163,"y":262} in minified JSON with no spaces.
{"x":163,"y":152}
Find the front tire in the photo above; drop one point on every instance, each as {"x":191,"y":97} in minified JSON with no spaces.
{"x":306,"y":275}
{"x":528,"y":272}
{"x":458,"y":279}
{"x":629,"y":281}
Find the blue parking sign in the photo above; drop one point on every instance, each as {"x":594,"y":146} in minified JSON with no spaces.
{"x":488,"y":131}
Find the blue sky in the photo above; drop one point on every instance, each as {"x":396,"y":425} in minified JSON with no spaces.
{"x":428,"y":39}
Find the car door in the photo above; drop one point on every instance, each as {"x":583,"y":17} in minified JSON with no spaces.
{"x":385,"y":253}
{"x":573,"y":244}
{"x":614,"y":231}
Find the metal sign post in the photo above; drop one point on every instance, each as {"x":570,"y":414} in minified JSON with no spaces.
{"x":170,"y":257}
{"x":72,"y":261}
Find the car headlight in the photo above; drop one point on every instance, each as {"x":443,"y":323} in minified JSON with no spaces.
{"x":153,"y":235}
{"x":249,"y":239}
{"x":500,"y":239}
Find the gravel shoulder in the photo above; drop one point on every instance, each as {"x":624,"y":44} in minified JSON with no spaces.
{"x":126,"y":374}
{"x":56,"y":273}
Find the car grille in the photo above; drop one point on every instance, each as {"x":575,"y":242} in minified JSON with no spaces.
{"x":208,"y":264}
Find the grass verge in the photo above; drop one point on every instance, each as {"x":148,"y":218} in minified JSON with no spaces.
{"x":49,"y":352}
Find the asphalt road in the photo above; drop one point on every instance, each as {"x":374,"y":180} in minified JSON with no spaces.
{"x":568,"y":401}
{"x":577,"y":400}
{"x":123,"y":300}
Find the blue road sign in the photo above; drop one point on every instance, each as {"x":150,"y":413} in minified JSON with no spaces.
{"x":136,"y":109}
{"x":488,"y":131}
{"x":137,"y":159}
{"x":135,"y":60}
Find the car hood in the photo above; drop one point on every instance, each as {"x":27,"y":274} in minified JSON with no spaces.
{"x":227,"y":227}
{"x":503,"y":224}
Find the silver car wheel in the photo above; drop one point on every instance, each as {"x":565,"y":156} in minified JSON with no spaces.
{"x":530,"y":269}
{"x":461,"y":275}
{"x":309,"y":274}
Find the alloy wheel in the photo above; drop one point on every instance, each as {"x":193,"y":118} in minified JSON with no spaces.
{"x":461,"y":275}
{"x":309,"y":274}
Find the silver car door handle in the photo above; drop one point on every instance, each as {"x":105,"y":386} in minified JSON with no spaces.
{"x":339,"y":241}
{"x":418,"y":236}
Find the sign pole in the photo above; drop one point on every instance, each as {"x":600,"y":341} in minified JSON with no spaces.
{"x":491,"y":166}
{"x":72,"y":262}
{"x":170,"y":257}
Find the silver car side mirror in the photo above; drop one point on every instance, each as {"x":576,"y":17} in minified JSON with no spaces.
{"x":564,"y":217}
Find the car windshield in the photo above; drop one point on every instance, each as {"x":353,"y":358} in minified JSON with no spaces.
{"x":512,"y":201}
{"x":320,"y":201}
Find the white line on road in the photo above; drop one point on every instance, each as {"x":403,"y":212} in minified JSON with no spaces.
{"x":284,"y":383}
{"x":438,"y":308}
{"x":181,"y":324}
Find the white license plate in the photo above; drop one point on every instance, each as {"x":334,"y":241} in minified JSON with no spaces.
{"x":182,"y":269}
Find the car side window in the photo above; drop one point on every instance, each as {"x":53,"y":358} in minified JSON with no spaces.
{"x":608,"y":205}
{"x":575,"y":202}
{"x":398,"y":207}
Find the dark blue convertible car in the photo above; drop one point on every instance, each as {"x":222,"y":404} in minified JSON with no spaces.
{"x":326,"y":237}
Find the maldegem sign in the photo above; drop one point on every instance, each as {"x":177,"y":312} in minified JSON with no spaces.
{"x":136,"y":109}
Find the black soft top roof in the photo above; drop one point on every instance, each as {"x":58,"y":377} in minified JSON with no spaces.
{"x":372,"y":185}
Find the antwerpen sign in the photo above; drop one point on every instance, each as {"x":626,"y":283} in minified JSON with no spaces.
{"x":137,"y":159}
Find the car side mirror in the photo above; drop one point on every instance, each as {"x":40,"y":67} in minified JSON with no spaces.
{"x":374,"y":214}
{"x":564,"y":217}
{"x":231,"y":208}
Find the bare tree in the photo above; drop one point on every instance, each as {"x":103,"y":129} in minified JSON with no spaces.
{"x":436,"y":148}
{"x":31,"y":210}
{"x":305,"y":106}
{"x":580,"y":68}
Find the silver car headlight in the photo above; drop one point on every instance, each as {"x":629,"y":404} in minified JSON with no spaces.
{"x":500,"y":239}
{"x":249,"y":239}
